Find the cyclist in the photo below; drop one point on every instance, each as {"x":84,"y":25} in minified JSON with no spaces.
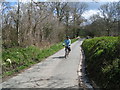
{"x":67,"y":43}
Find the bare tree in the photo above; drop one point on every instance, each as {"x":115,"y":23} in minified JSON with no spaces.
{"x":110,"y":15}
{"x":36,"y":23}
{"x":106,"y":22}
{"x":59,"y":9}
{"x":77,"y":11}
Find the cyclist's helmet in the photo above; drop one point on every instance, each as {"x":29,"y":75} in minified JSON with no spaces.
{"x":67,"y":36}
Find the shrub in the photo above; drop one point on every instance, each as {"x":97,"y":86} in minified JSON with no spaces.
{"x":103,"y":60}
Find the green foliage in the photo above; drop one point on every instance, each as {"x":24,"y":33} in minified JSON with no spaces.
{"x":16,"y":59}
{"x":103,"y":60}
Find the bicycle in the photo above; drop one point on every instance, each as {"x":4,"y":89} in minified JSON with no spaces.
{"x":67,"y":51}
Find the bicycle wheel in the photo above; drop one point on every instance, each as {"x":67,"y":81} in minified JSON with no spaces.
{"x":66,"y":53}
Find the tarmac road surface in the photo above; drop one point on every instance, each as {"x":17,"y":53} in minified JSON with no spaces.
{"x":53,"y":72}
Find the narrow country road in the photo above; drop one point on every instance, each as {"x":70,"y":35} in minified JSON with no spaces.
{"x":54,"y":72}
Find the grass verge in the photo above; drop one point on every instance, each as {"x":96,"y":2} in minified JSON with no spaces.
{"x":16,"y":59}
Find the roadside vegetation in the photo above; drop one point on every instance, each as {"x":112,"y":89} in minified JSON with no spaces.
{"x":31,"y":30}
{"x":103,"y":61}
{"x":16,"y":59}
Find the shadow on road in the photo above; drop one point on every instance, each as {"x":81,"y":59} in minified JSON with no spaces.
{"x":60,"y":57}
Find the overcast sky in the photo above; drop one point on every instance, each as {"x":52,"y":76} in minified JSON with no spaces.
{"x":92,"y":8}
